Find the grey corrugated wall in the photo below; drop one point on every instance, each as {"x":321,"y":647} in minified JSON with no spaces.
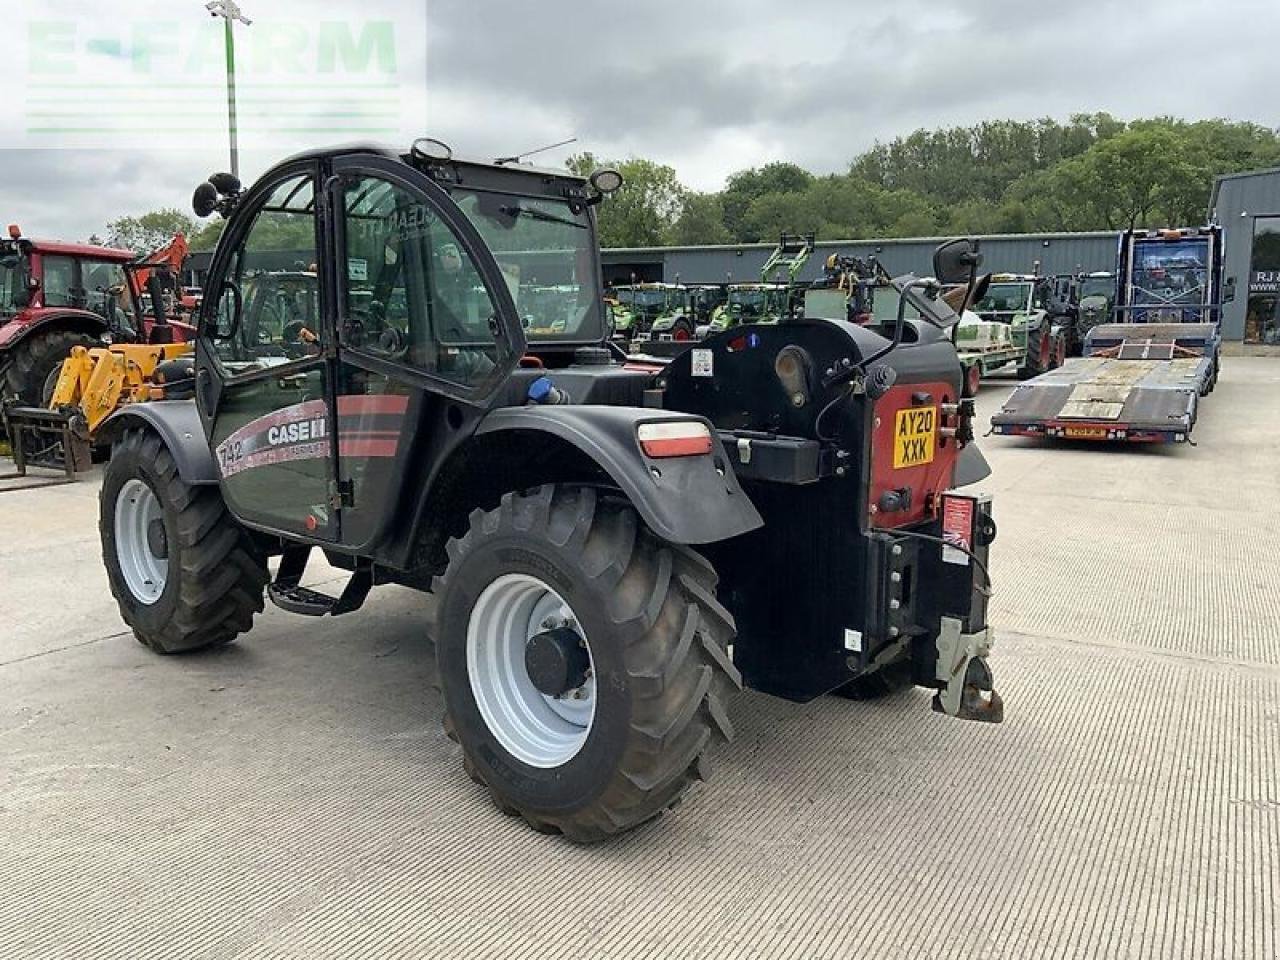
{"x":1056,"y":253}
{"x":1237,"y":200}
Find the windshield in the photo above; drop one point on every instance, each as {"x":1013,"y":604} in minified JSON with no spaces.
{"x":643,"y":299}
{"x":1167,"y":273}
{"x":1005,"y":298}
{"x":753,"y":302}
{"x":547,"y":254}
{"x":13,"y":280}
{"x":1098,"y":287}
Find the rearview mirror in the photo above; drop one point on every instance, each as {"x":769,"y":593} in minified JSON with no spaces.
{"x":205,"y":200}
{"x":956,"y":261}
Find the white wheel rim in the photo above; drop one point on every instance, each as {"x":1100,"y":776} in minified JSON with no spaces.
{"x":145,"y":574}
{"x":537,"y":729}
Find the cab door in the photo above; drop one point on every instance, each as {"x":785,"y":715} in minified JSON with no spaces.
{"x":427,"y":332}
{"x":265,"y":362}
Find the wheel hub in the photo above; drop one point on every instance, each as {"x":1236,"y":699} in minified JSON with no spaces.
{"x":557,"y":661}
{"x":142,"y":545}
{"x":157,"y":540}
{"x":531,"y":671}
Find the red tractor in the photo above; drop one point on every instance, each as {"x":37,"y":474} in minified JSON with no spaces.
{"x":55,"y":296}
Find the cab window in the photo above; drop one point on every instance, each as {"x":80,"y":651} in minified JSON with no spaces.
{"x":269,"y":313}
{"x":413,"y":295}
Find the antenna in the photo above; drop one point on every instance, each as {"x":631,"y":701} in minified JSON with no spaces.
{"x":529,"y":153}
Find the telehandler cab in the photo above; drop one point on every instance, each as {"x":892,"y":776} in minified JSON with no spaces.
{"x":615,"y":548}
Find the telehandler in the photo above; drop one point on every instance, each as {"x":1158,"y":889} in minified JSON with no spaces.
{"x":615,"y":548}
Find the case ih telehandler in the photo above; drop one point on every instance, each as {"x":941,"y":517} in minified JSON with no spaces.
{"x":615,"y":548}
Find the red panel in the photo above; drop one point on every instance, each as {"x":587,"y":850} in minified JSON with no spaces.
{"x":926,"y":481}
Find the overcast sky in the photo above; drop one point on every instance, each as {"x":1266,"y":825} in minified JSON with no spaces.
{"x":120,"y":107}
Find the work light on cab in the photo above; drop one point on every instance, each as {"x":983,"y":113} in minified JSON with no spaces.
{"x":674,"y":438}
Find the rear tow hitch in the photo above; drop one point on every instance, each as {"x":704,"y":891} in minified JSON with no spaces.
{"x":968,"y":691}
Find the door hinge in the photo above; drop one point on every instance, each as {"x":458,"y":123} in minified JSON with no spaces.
{"x":342,"y":493}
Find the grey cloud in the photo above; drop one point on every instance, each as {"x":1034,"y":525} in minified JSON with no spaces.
{"x":714,"y":87}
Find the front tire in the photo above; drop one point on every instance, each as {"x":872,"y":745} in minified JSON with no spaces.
{"x":184,"y":574}
{"x":627,"y":739}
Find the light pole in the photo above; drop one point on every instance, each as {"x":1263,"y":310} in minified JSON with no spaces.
{"x":229,"y":10}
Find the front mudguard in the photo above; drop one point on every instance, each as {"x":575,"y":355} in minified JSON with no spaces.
{"x":688,"y":500}
{"x":178,"y":424}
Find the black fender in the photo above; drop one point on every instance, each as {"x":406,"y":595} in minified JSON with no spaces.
{"x":689,"y":500}
{"x":178,"y":424}
{"x":971,"y":467}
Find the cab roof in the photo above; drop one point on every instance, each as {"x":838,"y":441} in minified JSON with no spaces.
{"x":462,"y":171}
{"x":85,"y":251}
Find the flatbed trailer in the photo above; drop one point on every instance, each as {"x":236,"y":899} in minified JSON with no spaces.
{"x":1138,"y":383}
{"x":1140,"y":380}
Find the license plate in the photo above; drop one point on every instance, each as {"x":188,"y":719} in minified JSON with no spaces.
{"x":1087,"y":433}
{"x":914,"y":430}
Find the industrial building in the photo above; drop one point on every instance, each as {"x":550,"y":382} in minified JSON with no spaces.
{"x":1246,"y":204}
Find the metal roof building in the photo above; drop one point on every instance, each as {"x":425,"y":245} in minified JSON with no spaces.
{"x":1248,"y":207}
{"x":1049,"y":253}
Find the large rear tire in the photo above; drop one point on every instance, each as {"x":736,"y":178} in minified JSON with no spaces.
{"x":184,"y":574}
{"x":33,"y":360}
{"x":625,"y":737}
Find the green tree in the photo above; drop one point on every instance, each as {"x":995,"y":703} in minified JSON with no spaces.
{"x":746,"y":186}
{"x":149,"y":231}
{"x":701,"y":221}
{"x":206,"y":237}
{"x":643,"y":213}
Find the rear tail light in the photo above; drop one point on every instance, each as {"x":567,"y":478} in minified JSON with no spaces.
{"x":674,"y":438}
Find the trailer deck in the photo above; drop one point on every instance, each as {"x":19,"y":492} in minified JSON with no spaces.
{"x":1141,"y":383}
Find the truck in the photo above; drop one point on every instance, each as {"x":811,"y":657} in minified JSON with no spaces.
{"x":1141,"y":379}
{"x":614,"y":548}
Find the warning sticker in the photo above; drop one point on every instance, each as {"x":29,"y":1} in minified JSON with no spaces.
{"x":703,"y":364}
{"x":913,"y":436}
{"x":957,"y":529}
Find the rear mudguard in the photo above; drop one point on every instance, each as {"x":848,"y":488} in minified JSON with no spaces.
{"x":27,"y":322}
{"x":682,"y":499}
{"x":971,"y":467}
{"x":178,"y":424}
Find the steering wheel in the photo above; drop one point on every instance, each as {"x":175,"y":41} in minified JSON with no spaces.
{"x":391,"y":343}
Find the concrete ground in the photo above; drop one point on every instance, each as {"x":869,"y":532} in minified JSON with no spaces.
{"x":293,"y":795}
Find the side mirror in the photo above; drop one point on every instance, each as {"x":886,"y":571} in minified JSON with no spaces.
{"x":961,"y":298}
{"x":956,"y":261}
{"x":230,"y":308}
{"x":205,"y":200}
{"x":1229,"y":290}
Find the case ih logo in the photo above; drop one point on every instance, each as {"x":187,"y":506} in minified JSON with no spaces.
{"x":368,"y":428}
{"x":104,"y":76}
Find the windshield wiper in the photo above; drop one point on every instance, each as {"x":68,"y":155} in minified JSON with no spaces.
{"x":532,"y":213}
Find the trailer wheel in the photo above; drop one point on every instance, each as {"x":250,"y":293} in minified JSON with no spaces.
{"x":184,"y":574}
{"x":35,"y":359}
{"x":582,"y":660}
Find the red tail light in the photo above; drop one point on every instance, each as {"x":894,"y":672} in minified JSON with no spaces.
{"x":674,"y":438}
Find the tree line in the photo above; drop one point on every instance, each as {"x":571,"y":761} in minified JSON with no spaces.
{"x":1093,"y":172}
